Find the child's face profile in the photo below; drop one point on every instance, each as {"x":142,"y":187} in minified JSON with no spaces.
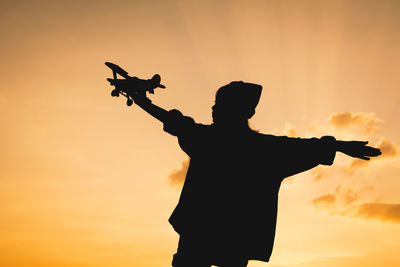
{"x":235,"y":103}
{"x":226,"y":112}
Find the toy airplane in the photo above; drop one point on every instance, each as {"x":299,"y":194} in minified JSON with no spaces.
{"x":130,"y":86}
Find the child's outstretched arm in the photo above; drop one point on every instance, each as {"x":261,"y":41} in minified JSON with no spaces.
{"x":357,"y":149}
{"x":301,"y":154}
{"x":174,"y":123}
{"x":145,"y":103}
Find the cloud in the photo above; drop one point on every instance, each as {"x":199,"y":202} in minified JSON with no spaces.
{"x":388,"y":149}
{"x":318,"y":173}
{"x":345,"y":201}
{"x":349,"y":195}
{"x":343,"y":196}
{"x":369,"y":122}
{"x":324,"y":200}
{"x":288,"y":130}
{"x":177,"y":177}
{"x":380,"y":211}
{"x":288,"y":180}
{"x":356,"y":164}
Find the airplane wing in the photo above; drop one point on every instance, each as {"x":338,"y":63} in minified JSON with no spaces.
{"x":117,"y":69}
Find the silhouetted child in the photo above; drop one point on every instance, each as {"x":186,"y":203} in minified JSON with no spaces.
{"x":227,"y":210}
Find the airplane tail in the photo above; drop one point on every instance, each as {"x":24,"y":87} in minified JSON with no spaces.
{"x":156,"y":81}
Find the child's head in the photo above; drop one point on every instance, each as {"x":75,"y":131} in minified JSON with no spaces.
{"x":236,"y":102}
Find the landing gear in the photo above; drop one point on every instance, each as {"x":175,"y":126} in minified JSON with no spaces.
{"x":115,"y":93}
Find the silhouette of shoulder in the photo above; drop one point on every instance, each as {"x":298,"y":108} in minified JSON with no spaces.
{"x":177,"y":124}
{"x":290,"y":155}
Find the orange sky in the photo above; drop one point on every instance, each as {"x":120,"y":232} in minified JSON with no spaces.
{"x":84,"y":178}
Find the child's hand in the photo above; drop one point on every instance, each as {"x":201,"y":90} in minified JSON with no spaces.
{"x":358,"y":149}
{"x":140,"y":97}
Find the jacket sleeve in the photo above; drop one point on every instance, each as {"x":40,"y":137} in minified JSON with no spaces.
{"x":182,"y":127}
{"x":300,"y":154}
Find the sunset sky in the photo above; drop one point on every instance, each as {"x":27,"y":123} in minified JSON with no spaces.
{"x":87,"y":181}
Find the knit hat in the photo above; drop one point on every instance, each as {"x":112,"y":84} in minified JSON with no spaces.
{"x":243,"y":95}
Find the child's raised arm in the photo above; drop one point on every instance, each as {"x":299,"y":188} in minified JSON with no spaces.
{"x":145,"y":103}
